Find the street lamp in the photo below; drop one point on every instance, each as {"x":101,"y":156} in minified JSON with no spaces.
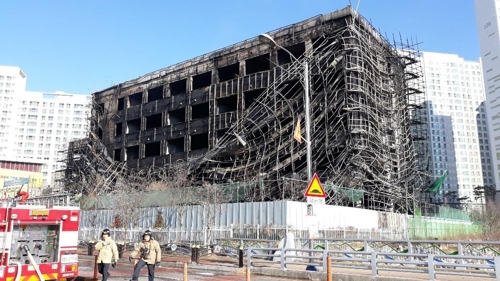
{"x":267,"y":39}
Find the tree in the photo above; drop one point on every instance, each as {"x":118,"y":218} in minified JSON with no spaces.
{"x":489,"y":221}
{"x":451,"y":197}
{"x":159,"y":222}
{"x":485,"y":193}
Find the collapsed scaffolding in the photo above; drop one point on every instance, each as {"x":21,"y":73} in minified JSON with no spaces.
{"x":367,"y":123}
{"x":368,"y":127}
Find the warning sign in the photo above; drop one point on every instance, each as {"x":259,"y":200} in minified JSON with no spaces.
{"x":315,"y":188}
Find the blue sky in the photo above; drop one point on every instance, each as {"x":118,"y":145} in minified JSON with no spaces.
{"x":85,"y":46}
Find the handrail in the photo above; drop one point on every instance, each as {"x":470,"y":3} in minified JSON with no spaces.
{"x":427,"y":263}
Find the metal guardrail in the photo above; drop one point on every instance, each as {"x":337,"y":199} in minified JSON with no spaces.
{"x":433,"y":265}
{"x":436,"y":247}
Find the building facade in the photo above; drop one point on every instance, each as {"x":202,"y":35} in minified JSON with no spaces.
{"x":230,"y":115}
{"x":37,"y":126}
{"x":46,"y":123}
{"x":15,"y":175}
{"x":488,"y":26}
{"x":12,"y":86}
{"x":458,"y":136}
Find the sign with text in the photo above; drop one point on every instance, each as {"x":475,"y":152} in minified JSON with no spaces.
{"x":16,"y":182}
{"x":316,"y":200}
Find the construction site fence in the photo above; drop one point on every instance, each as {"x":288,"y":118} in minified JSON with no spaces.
{"x":209,"y":236}
{"x":418,"y":229}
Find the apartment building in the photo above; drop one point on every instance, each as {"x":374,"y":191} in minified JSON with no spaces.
{"x":12,"y":85}
{"x":458,"y":132}
{"x":37,"y":126}
{"x":46,"y":123}
{"x":488,"y":26}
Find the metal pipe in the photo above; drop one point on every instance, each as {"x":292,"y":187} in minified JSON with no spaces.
{"x":308,"y":121}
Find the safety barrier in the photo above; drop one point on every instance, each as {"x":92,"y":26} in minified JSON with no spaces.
{"x":433,"y":265}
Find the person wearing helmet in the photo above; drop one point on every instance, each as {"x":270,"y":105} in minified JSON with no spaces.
{"x":108,"y":253}
{"x":148,"y":253}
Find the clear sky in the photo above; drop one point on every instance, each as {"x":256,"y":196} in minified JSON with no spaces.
{"x":82,"y":46}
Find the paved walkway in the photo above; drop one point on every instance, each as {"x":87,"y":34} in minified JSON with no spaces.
{"x":123,"y":271}
{"x":212,"y":268}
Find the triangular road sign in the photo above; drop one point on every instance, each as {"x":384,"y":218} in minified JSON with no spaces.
{"x":315,"y":188}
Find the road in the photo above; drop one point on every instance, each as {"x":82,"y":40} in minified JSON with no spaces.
{"x":123,"y":271}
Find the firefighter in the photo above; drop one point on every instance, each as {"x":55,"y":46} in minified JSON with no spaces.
{"x":149,"y":253}
{"x":108,"y":253}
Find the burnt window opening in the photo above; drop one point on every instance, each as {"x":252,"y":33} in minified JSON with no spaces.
{"x":155,"y":94}
{"x":297,"y":51}
{"x":99,"y":108}
{"x":318,"y":81}
{"x":153,"y":121}
{"x":322,"y":43}
{"x":152,"y":149}
{"x":133,"y":126}
{"x":251,"y":96}
{"x":132,"y":152}
{"x":202,"y":80}
{"x":117,"y":155}
{"x":121,"y":103}
{"x":200,"y":110}
{"x":227,"y":104}
{"x":177,"y":116}
{"x":118,"y":129}
{"x":199,"y":141}
{"x":221,"y":133}
{"x":178,"y":88}
{"x":175,"y":145}
{"x":257,"y":64}
{"x":135,"y":99}
{"x":291,"y":89}
{"x":229,"y":72}
{"x":99,"y":133}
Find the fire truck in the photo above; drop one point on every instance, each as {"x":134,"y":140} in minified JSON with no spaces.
{"x":39,"y":238}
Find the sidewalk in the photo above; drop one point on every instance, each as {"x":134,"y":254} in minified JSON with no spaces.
{"x":212,"y":268}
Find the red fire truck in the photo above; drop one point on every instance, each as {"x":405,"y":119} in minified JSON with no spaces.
{"x":39,"y":239}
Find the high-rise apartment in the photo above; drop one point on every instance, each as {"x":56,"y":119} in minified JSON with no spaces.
{"x":488,"y":26}
{"x":37,"y":126}
{"x":12,"y":85}
{"x":457,"y":124}
{"x":46,"y":123}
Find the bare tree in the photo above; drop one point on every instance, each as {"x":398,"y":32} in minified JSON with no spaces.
{"x":488,"y":220}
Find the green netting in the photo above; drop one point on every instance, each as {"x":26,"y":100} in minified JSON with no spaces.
{"x":354,"y":195}
{"x":451,"y":213}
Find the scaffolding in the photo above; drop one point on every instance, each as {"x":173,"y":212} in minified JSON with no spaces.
{"x":368,"y":122}
{"x":368,"y":127}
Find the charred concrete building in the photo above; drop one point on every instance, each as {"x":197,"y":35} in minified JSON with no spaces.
{"x":230,"y":115}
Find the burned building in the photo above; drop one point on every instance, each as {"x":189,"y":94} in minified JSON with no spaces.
{"x":231,"y":114}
